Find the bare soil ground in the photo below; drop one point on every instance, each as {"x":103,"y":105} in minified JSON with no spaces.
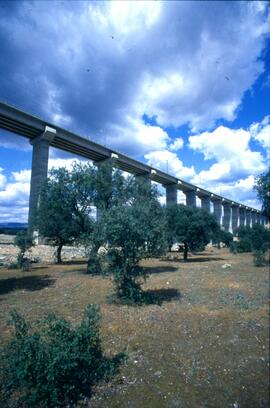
{"x":205,"y":346}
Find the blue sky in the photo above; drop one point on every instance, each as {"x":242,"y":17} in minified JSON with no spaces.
{"x":182,"y":86}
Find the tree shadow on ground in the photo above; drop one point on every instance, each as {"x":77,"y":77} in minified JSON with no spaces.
{"x":191,"y":259}
{"x":74,"y":262}
{"x":159,"y":269}
{"x":158,"y":296}
{"x":203,"y":259}
{"x":30,"y":283}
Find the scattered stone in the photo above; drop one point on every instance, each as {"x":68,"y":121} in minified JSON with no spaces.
{"x":226,"y":266}
{"x":158,"y":373}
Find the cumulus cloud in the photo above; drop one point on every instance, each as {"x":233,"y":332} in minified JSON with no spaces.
{"x":169,"y":162}
{"x":106,"y":64}
{"x":260,"y":131}
{"x":15,"y":193}
{"x":177,"y":144}
{"x":98,"y":68}
{"x":2,"y":179}
{"x":240,"y":191}
{"x":232,"y":174}
{"x":230,"y":148}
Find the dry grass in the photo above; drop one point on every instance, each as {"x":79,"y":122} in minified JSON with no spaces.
{"x":205,"y":346}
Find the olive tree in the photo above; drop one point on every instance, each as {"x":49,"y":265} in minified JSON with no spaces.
{"x":193,"y":227}
{"x":133,"y":230}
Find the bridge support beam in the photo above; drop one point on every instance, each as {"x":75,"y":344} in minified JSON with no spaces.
{"x":39,"y":173}
{"x":242,"y":216}
{"x":217,"y":210}
{"x":190,"y":198}
{"x":248,"y":218}
{"x":253,"y":218}
{"x":226,"y":222}
{"x":205,"y":203}
{"x":171,"y":195}
{"x":235,"y":216}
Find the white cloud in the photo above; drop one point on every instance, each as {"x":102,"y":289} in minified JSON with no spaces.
{"x":15,"y":194}
{"x":177,"y":144}
{"x":2,"y":179}
{"x":138,"y":138}
{"x":169,"y":162}
{"x":22,"y":176}
{"x":112,"y":62}
{"x":230,"y":148}
{"x":56,"y":163}
{"x":260,"y":131}
{"x":240,"y":191}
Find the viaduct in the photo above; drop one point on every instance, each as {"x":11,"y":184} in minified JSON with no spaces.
{"x":42,"y":134}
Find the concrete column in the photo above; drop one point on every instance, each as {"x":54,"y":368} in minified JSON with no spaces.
{"x":248,"y":218}
{"x":242,"y":216}
{"x":258,"y":217}
{"x":253,"y":218}
{"x":235,"y":216}
{"x":226,"y":222}
{"x":190,"y":198}
{"x":217,"y":210}
{"x":205,"y":203}
{"x":40,"y":156}
{"x":171,"y":194}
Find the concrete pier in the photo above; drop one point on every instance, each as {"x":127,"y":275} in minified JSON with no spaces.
{"x":235,"y":217}
{"x":217,"y":210}
{"x":171,"y":194}
{"x":205,"y":203}
{"x":190,"y":198}
{"x":226,"y":222}
{"x":253,"y":218}
{"x":242,"y":216}
{"x":248,"y":218}
{"x":39,"y":173}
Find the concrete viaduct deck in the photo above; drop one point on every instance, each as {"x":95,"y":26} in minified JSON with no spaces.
{"x":43,"y":134}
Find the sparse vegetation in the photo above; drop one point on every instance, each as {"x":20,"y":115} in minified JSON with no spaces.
{"x":24,"y":242}
{"x":254,"y":239}
{"x":209,"y":345}
{"x":54,"y":364}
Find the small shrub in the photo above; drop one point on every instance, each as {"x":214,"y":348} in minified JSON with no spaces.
{"x":233,"y":247}
{"x":259,"y":259}
{"x":54,"y":364}
{"x":24,"y":241}
{"x":244,"y":245}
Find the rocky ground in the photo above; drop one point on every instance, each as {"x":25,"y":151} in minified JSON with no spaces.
{"x":205,"y":346}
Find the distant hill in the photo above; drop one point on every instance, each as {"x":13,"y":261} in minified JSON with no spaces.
{"x":11,"y":228}
{"x":13,"y":225}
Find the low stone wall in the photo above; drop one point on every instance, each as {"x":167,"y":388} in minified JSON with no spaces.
{"x":40,"y":253}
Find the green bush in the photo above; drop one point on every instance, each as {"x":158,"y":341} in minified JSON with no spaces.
{"x":233,"y":247}
{"x":225,"y":237}
{"x":244,"y":245}
{"x":24,"y":241}
{"x":259,"y":258}
{"x":54,"y":364}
